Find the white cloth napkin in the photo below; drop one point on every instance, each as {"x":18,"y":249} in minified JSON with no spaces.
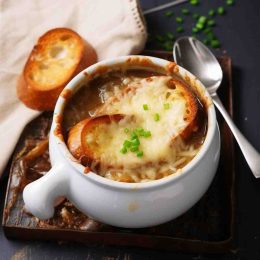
{"x":112,"y":27}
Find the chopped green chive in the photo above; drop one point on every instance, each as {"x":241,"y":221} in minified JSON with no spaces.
{"x":134,"y":148}
{"x":139,"y":130}
{"x":126,"y":130}
{"x":156,"y":117}
{"x":185,"y":11}
{"x":166,"y":106}
{"x":123,"y":150}
{"x":127,"y":144}
{"x":215,"y":44}
{"x":221,"y":10}
{"x":170,"y":36}
{"x":194,"y":2}
{"x":145,"y":107}
{"x":230,"y":2}
{"x":168,"y":13}
{"x":211,"y":23}
{"x":199,"y":26}
{"x":211,"y":12}
{"x":146,"y":134}
{"x":195,"y":30}
{"x":135,"y":142}
{"x":202,"y":19}
{"x":201,"y":23}
{"x":179,"y":19}
{"x":195,"y":16}
{"x":140,"y":154}
{"x":134,"y":136}
{"x":179,"y":29}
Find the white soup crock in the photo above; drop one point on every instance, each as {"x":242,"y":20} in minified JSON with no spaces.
{"x":129,"y":205}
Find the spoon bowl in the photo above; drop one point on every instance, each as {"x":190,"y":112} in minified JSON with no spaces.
{"x":197,"y":58}
{"x":194,"y":56}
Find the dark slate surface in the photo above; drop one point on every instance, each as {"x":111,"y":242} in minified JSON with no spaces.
{"x":239,"y":32}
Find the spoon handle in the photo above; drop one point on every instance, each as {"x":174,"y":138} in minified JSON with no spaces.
{"x":250,"y":153}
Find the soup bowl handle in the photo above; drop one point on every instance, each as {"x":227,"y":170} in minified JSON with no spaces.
{"x":40,"y":196}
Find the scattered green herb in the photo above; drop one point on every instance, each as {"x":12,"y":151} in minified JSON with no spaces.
{"x":166,"y":106}
{"x":146,"y":134}
{"x":168,"y":14}
{"x":134,"y":148}
{"x":156,"y":117}
{"x":221,"y":10}
{"x":140,"y":154}
{"x":195,"y":30}
{"x":179,"y":19}
{"x":202,"y":19}
{"x":230,"y":2}
{"x":127,"y":144}
{"x":145,"y":107}
{"x":203,"y":23}
{"x":123,"y":150}
{"x":211,"y":12}
{"x":194,"y":2}
{"x":133,"y":135}
{"x":133,"y":144}
{"x":185,"y":11}
{"x":200,"y":26}
{"x":211,"y":23}
{"x":126,"y":130}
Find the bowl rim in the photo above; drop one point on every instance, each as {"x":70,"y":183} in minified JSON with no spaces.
{"x":75,"y":84}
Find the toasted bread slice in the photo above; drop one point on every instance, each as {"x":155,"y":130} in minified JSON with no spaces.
{"x":191,"y":112}
{"x":74,"y":138}
{"x":94,"y":135}
{"x":58,"y":56}
{"x":101,"y":139}
{"x":155,"y":92}
{"x":88,"y":128}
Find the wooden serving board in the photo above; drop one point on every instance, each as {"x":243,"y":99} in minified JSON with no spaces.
{"x":206,"y":227}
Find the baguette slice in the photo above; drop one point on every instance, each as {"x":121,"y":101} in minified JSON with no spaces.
{"x":192,"y":107}
{"x":57,"y":57}
{"x":131,"y":99}
{"x":88,"y":129}
{"x":74,"y":138}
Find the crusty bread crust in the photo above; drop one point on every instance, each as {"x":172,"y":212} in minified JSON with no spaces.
{"x":191,"y":112}
{"x":42,"y":94}
{"x":92,"y":127}
{"x":74,"y":138}
{"x":77,"y":134}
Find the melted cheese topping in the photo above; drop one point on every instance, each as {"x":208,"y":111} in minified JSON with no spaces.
{"x":107,"y":139}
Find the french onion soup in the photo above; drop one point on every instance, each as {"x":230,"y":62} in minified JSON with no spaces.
{"x":135,"y":125}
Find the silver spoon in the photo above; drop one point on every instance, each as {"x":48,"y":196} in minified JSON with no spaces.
{"x":199,"y":60}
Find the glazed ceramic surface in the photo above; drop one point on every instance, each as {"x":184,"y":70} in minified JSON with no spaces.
{"x":131,"y":205}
